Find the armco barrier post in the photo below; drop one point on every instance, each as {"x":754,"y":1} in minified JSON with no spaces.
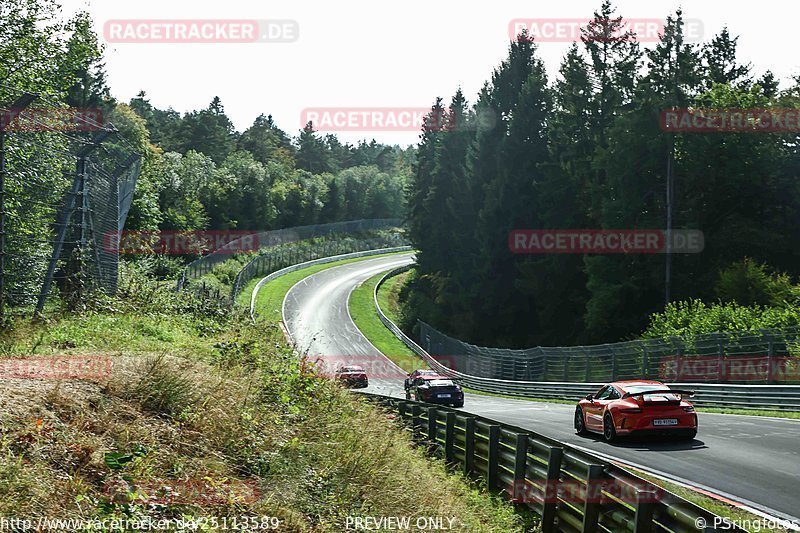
{"x":416,"y":422}
{"x":401,"y":409}
{"x":492,"y":479}
{"x":591,"y":510}
{"x":469,"y":445}
{"x":643,"y":523}
{"x":520,"y":466}
{"x":450,"y":437}
{"x":551,"y":489}
{"x":433,"y":415}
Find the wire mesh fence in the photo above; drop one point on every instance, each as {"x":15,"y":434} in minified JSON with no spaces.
{"x":766,"y":356}
{"x":260,"y":241}
{"x":66,"y":184}
{"x":226,"y":276}
{"x":275,"y":260}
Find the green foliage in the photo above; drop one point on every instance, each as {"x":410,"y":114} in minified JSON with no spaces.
{"x":587,"y":152}
{"x":694,"y":317}
{"x":749,"y":283}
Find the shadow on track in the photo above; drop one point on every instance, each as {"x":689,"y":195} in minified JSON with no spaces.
{"x":651,"y":444}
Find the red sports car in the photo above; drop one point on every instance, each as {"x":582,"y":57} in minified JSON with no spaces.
{"x":352,"y":376}
{"x":636,"y":407}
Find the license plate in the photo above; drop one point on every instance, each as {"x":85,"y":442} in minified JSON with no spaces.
{"x":444,"y":396}
{"x":665,"y":422}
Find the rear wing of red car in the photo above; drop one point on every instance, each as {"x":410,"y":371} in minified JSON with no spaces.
{"x":679,"y":392}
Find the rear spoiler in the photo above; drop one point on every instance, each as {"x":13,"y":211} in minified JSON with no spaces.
{"x":679,"y":392}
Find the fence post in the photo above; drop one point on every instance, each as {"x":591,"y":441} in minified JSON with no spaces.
{"x":63,"y":225}
{"x":643,"y":521}
{"x":587,"y":364}
{"x":613,"y":363}
{"x":644,"y":360}
{"x":494,"y":456}
{"x":591,"y":510}
{"x":770,"y":379}
{"x":469,"y":445}
{"x":720,"y":360}
{"x":520,"y":467}
{"x":551,"y":489}
{"x":450,"y":437}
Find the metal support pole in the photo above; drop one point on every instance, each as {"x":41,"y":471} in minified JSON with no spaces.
{"x":78,"y":185}
{"x":668,"y":265}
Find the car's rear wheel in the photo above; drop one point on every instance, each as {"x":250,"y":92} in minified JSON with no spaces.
{"x":459,"y":404}
{"x":609,"y":431}
{"x":580,"y":426}
{"x":690,"y":436}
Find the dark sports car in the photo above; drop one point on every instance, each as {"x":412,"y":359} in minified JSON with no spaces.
{"x":432,"y":388}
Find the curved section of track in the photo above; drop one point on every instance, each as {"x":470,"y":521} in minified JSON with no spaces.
{"x":752,"y":460}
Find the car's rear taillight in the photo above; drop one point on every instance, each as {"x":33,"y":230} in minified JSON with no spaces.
{"x":688,"y":408}
{"x":631,"y":410}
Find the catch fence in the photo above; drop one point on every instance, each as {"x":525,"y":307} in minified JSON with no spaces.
{"x":67,"y":180}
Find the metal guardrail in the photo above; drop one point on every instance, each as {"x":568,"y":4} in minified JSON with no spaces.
{"x":320,"y":261}
{"x":707,"y":394}
{"x":571,"y":490}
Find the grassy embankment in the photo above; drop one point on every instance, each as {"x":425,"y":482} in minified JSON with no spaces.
{"x":204,"y":415}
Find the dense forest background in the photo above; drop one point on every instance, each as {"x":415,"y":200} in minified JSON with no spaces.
{"x":198,"y":172}
{"x":586,"y":150}
{"x":583,"y":150}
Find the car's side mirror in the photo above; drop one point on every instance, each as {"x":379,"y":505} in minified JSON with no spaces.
{"x":590,"y":397}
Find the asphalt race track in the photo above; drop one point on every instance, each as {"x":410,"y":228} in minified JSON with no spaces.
{"x":753,"y":460}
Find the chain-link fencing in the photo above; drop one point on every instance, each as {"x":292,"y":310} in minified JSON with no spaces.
{"x":765,"y":356}
{"x":67,"y":180}
{"x":260,"y":242}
